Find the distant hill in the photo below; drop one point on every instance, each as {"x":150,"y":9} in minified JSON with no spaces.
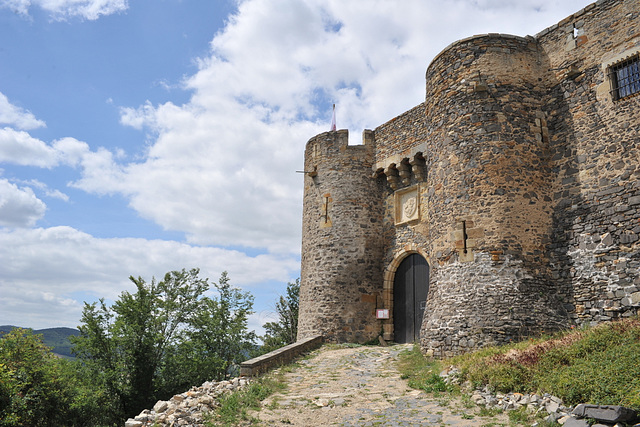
{"x":56,"y":338}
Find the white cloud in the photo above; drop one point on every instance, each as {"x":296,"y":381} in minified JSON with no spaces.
{"x":56,"y":194}
{"x":100,"y":173}
{"x":63,"y":9}
{"x":70,"y":151}
{"x":28,"y":307}
{"x":139,"y":117}
{"x":225,"y":177}
{"x":15,"y":116}
{"x":18,"y":6}
{"x":22,"y":149}
{"x":61,"y":266}
{"x":49,"y":192}
{"x":221,"y":167}
{"x":19,"y":207}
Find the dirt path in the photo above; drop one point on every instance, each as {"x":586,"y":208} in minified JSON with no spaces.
{"x":361,"y":386}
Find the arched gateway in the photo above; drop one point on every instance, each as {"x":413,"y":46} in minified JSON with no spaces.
{"x":410,"y":289}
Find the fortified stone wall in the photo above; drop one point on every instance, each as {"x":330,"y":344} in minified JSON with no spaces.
{"x":517,"y":179}
{"x":400,"y":137}
{"x":596,"y":162}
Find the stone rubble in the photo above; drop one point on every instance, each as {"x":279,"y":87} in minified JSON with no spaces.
{"x":187,"y":409}
{"x":552,"y":406}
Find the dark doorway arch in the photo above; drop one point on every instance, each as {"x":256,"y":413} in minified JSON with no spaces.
{"x":410,"y":289}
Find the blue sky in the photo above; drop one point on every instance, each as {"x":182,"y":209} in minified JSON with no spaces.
{"x":143,"y":136}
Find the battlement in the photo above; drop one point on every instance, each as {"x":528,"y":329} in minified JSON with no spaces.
{"x":339,"y":139}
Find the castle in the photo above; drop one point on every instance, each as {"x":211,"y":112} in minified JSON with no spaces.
{"x":505,"y":205}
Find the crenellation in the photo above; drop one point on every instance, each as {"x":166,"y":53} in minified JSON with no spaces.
{"x":517,"y":181}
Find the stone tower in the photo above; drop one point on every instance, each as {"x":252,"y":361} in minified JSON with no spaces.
{"x":490,"y":198}
{"x":342,"y":247}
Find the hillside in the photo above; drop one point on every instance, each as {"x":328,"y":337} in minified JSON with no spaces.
{"x":56,"y":338}
{"x":598,"y":365}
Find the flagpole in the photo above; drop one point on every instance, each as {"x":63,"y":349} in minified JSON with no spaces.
{"x":333,"y":118}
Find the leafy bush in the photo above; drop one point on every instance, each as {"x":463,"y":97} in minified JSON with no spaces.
{"x":159,"y":341}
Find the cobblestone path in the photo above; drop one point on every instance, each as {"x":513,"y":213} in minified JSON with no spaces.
{"x":361,"y":386}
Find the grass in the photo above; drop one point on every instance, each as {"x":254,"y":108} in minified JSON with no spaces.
{"x":598,"y":365}
{"x":234,"y":407}
{"x":520,"y":416}
{"x":422,"y":373}
{"x":488,"y":412}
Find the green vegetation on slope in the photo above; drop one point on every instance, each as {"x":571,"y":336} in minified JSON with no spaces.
{"x":422,"y":372}
{"x":58,"y":340}
{"x":599,"y":365}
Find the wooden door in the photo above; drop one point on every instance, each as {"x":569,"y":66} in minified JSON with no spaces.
{"x":410,"y":289}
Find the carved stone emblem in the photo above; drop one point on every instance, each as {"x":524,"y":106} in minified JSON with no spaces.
{"x":407,"y":205}
{"x":410,"y":206}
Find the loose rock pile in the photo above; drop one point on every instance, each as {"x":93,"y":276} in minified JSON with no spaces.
{"x":187,"y":409}
{"x":535,"y":404}
{"x":551,"y":406}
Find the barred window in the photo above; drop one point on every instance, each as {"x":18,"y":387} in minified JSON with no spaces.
{"x":625,"y":78}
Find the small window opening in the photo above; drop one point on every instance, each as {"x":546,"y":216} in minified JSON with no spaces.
{"x":325,"y":209}
{"x":464,"y":235}
{"x":625,"y":78}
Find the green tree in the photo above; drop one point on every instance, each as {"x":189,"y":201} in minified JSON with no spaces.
{"x":30,"y":389}
{"x":39,"y":389}
{"x":218,"y":339}
{"x":285,"y":330}
{"x":157,"y":341}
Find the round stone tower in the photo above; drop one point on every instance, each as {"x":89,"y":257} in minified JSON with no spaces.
{"x":490,"y":196}
{"x":341,"y":283}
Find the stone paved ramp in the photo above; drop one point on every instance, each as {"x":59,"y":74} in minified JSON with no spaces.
{"x":361,"y":386}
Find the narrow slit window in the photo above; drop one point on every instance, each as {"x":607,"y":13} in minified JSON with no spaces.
{"x":625,"y":78}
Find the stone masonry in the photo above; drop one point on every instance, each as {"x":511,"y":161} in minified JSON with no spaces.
{"x":518,"y":180}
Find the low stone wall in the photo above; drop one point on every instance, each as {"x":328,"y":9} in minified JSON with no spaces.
{"x":283,"y":355}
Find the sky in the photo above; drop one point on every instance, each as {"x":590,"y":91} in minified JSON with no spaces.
{"x":139,"y":137}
